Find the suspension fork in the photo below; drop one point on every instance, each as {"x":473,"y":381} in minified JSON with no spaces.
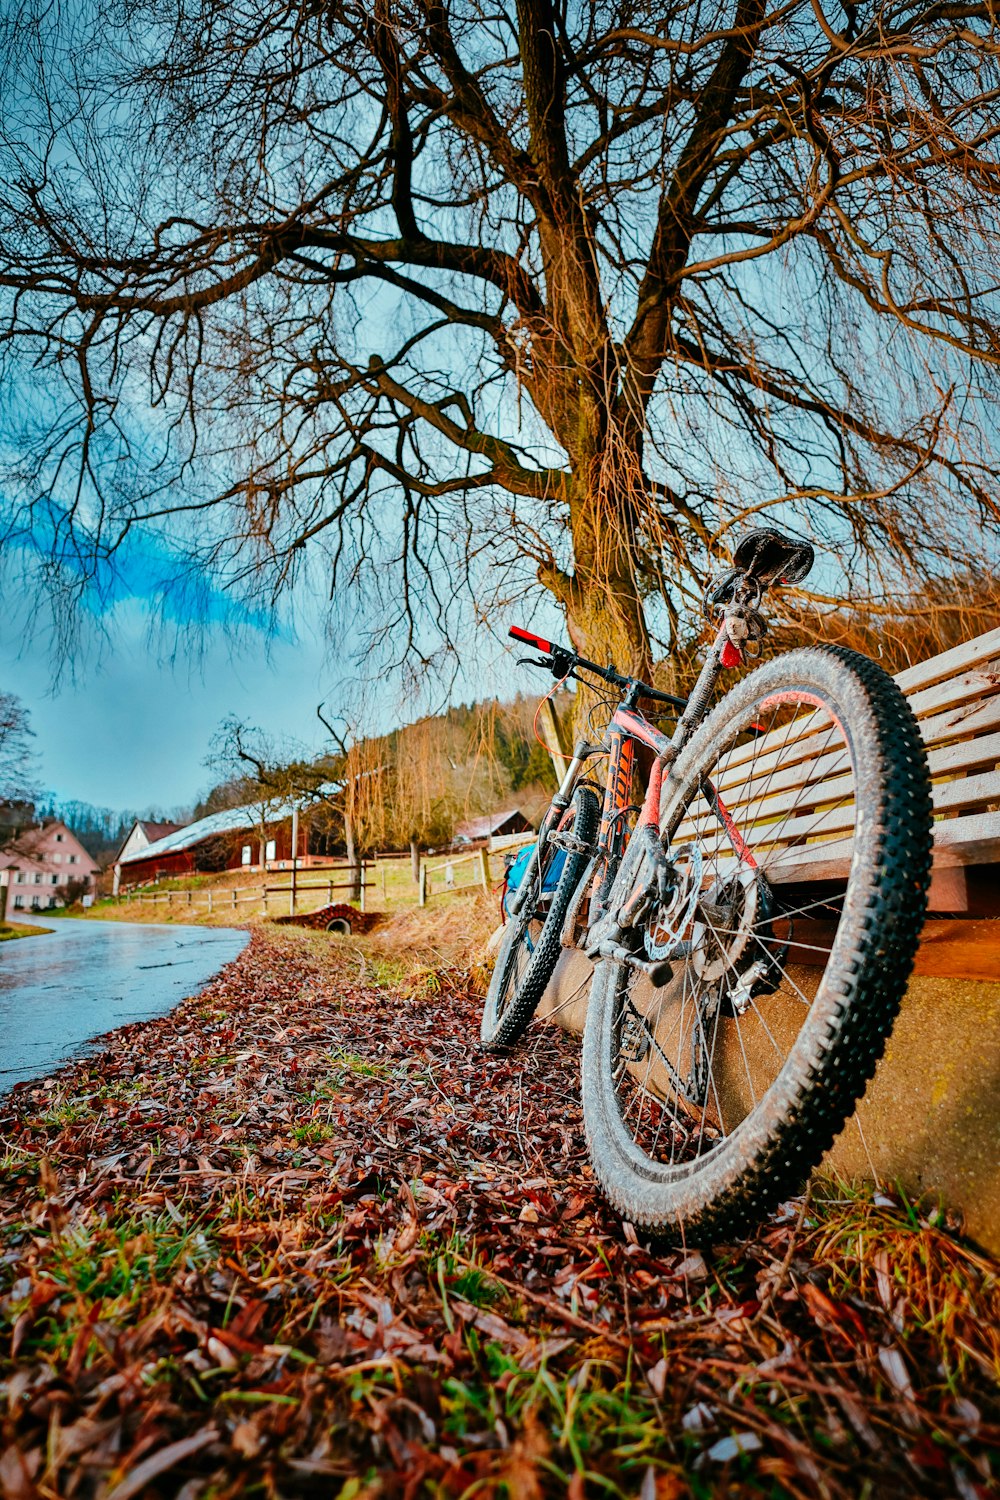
{"x":582,"y":752}
{"x":617,"y":796}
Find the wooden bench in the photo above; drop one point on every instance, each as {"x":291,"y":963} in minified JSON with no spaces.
{"x":956,"y":698}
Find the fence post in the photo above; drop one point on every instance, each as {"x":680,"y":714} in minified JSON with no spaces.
{"x":234,"y":898}
{"x":381,"y":866}
{"x":329,"y":892}
{"x":189,"y":896}
{"x":362,"y":893}
{"x":210,"y":903}
{"x":423,"y":884}
{"x":263,"y":901}
{"x":170,"y":898}
{"x":484,"y":864}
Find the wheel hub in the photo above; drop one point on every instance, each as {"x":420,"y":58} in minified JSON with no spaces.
{"x":731,"y":921}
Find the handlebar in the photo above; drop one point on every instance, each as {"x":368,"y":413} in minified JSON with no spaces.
{"x":533,"y":640}
{"x":564,"y":662}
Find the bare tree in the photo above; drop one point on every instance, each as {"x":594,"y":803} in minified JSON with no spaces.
{"x":256,"y":767}
{"x":17,"y":760}
{"x":358,"y":800}
{"x":448,"y":292}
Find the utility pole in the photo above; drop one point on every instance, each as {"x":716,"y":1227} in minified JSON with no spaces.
{"x":548,"y":723}
{"x":295,"y":857}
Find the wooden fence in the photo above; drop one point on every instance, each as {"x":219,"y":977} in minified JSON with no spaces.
{"x":438,"y":879}
{"x":221,"y":898}
{"x":439,"y":876}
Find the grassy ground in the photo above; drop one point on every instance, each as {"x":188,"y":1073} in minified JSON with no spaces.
{"x":302,"y":1238}
{"x":9,"y":931}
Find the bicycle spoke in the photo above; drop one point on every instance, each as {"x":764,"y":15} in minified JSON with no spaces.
{"x":690,"y":1052}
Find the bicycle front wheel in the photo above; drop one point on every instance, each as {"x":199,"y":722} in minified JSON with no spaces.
{"x":529,"y":951}
{"x":799,"y":827}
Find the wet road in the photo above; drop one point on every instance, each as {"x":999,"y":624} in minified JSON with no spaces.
{"x":58,"y":992}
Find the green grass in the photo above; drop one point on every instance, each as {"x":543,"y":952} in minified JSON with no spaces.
{"x":10,"y":931}
{"x":99,"y":1273}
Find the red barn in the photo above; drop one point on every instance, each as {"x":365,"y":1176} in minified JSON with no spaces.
{"x":227,"y":840}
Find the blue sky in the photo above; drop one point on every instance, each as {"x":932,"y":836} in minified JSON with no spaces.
{"x":127,"y":721}
{"x":133,"y":728}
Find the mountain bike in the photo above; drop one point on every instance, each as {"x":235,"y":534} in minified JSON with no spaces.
{"x":752,"y":921}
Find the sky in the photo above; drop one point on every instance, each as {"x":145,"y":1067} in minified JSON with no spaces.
{"x":133,"y":730}
{"x":127,"y":722}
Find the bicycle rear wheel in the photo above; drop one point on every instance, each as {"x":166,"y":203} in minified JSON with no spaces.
{"x":529,"y":951}
{"x":799,"y":819}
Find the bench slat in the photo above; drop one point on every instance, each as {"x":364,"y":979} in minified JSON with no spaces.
{"x":973,"y":676}
{"x":811,"y":783}
{"x":948,"y":663}
{"x":760,"y":819}
{"x":977,"y":683}
{"x":973,"y":840}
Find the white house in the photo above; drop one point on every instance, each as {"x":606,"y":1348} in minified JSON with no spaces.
{"x":139,"y":837}
{"x":43,"y":863}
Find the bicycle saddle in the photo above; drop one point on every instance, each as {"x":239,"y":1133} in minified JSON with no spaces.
{"x":772,"y":558}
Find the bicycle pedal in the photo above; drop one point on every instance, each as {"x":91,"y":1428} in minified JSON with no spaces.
{"x":570,"y":844}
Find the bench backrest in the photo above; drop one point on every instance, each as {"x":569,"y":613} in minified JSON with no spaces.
{"x":799,"y":786}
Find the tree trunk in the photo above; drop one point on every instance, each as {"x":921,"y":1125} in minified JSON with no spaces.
{"x":602,"y":598}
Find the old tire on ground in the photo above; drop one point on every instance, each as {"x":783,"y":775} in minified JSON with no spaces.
{"x":660,"y":1168}
{"x":530,"y":948}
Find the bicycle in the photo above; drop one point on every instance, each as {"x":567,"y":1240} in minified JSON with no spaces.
{"x":752,"y":923}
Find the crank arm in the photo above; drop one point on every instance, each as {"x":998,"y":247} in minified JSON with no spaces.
{"x":658,"y":971}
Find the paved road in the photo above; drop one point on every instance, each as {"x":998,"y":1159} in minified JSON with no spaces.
{"x":58,"y":992}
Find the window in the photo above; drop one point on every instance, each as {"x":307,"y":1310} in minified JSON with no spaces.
{"x":55,"y":879}
{"x":245,"y":856}
{"x":57,"y":859}
{"x":18,"y":903}
{"x":59,"y":838}
{"x":38,"y":878}
{"x":71,"y":859}
{"x":270,"y":849}
{"x":52,"y":902}
{"x":36,"y":902}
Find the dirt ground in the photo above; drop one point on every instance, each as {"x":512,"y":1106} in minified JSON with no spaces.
{"x":302,"y":1238}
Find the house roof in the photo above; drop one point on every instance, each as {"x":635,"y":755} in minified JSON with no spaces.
{"x":27,"y":844}
{"x":230,"y":820}
{"x":481,"y":828}
{"x":153,"y":832}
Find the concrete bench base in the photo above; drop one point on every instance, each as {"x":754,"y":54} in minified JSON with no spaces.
{"x":930,"y":1119}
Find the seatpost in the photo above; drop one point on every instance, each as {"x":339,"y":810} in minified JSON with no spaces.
{"x":700,"y":694}
{"x":581,"y":750}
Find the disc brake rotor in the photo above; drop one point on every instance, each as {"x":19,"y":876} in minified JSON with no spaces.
{"x":671,"y":918}
{"x":724,"y":925}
